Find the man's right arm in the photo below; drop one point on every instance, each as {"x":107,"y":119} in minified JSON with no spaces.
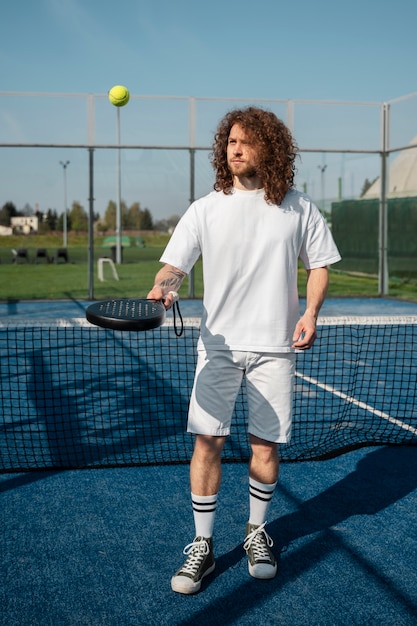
{"x":169,"y":278}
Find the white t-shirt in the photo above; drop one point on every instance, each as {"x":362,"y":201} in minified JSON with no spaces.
{"x":250,"y":251}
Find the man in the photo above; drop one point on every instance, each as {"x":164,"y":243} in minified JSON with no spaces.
{"x":250,"y":231}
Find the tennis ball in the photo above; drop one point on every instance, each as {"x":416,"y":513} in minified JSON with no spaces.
{"x":119,"y":95}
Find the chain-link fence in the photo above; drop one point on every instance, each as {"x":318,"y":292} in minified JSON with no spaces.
{"x":155,"y":151}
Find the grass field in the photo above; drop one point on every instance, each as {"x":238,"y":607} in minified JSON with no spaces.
{"x":66,"y":281}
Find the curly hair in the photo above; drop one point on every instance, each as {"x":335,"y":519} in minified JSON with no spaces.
{"x":277,"y":151}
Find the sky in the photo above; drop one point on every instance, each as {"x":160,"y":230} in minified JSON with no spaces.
{"x":356,"y":51}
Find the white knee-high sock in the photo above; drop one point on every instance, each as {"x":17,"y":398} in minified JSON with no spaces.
{"x":204,"y":510}
{"x":260,"y":496}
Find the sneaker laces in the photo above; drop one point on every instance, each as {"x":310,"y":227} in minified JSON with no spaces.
{"x":259,"y":540}
{"x":196,"y":552}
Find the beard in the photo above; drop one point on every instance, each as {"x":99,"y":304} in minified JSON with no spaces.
{"x":244,"y":170}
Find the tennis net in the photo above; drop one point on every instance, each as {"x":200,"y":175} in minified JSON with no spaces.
{"x":76,"y":396}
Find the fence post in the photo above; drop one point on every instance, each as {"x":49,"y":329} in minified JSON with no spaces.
{"x":383,"y":275}
{"x":191,"y":277}
{"x":91,"y":226}
{"x":192,"y":139}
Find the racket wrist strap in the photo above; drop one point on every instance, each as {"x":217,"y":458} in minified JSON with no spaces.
{"x":176,"y":311}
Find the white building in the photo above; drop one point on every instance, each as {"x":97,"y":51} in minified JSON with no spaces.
{"x":24,"y":225}
{"x":402,"y":178}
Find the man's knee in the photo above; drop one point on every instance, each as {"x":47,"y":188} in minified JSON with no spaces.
{"x":208,"y":446}
{"x":264,"y":451}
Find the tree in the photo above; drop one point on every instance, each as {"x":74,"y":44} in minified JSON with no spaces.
{"x":139,"y":219}
{"x":173,"y":220}
{"x":167,"y":224}
{"x":39,"y":215}
{"x":135,"y":215}
{"x":111,"y":213}
{"x":27,"y":210}
{"x":6,"y":213}
{"x":147,"y":221}
{"x":60,"y":225}
{"x":52,"y":219}
{"x":78,"y":217}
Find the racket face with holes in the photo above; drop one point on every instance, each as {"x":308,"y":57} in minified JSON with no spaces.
{"x":133,"y":314}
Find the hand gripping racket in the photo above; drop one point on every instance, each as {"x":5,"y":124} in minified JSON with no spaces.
{"x":131,"y":314}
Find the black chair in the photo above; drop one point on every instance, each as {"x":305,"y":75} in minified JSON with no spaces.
{"x":20,"y":253}
{"x":42,"y":253}
{"x":61,"y":254}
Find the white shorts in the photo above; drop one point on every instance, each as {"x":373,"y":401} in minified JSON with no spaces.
{"x":269,"y":385}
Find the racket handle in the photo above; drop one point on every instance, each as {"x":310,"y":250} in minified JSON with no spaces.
{"x":174,"y":296}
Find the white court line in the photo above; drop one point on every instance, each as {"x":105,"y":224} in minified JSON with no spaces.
{"x":362,"y":405}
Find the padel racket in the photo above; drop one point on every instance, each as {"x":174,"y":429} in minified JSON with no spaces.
{"x":129,"y":314}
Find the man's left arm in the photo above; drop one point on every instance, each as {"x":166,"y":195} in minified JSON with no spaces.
{"x":305,"y":331}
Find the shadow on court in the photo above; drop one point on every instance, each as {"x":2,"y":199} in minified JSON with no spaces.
{"x":98,"y":547}
{"x":381,"y":478}
{"x":77,"y":429}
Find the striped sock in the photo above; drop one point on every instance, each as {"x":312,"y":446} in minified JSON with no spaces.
{"x":204,"y":509}
{"x":260,"y":497}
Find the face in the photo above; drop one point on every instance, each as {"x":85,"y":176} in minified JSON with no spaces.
{"x":241,"y":154}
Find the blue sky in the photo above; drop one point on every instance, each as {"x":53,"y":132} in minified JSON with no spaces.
{"x":356,"y":50}
{"x":353,"y":51}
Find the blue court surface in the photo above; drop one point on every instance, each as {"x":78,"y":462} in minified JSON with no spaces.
{"x":98,"y":546}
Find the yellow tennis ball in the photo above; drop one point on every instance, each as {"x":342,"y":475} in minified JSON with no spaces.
{"x":119,"y":95}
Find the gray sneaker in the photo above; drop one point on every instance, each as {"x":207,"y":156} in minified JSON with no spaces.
{"x":199,"y":563}
{"x":261,"y":561}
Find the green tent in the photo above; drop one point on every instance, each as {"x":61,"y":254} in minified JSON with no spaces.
{"x":109,"y":242}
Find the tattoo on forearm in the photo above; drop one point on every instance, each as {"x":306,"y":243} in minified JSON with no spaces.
{"x":174,"y":281}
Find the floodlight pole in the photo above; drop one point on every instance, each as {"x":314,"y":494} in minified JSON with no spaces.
{"x":119,"y":197}
{"x":91,"y":197}
{"x":322,"y":169}
{"x":64,"y":166}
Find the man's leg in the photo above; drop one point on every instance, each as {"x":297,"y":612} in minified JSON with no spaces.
{"x":264,"y":462}
{"x":205,"y":467}
{"x":263,"y":477}
{"x":217,"y":381}
{"x":205,"y":478}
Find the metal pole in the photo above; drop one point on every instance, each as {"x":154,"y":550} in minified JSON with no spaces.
{"x":119,"y":197}
{"x":91,"y":226}
{"x":191,"y":277}
{"x":290,"y":115}
{"x":64,"y":165}
{"x":383,"y":206}
{"x":192,"y":130}
{"x":322,"y":169}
